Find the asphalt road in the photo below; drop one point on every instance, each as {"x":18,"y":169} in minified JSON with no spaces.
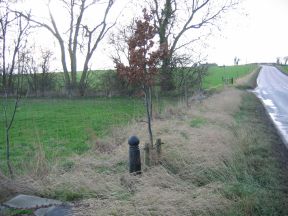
{"x":273,"y":91}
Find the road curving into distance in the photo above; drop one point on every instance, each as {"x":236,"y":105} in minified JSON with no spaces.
{"x":272,"y":89}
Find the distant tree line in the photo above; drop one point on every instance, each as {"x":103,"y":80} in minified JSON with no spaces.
{"x":173,"y":20}
{"x":283,"y":60}
{"x":105,"y":83}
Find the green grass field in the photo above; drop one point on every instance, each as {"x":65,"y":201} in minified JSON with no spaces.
{"x":62,"y":127}
{"x":215,"y":74}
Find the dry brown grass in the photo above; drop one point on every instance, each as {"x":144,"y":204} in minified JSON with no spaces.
{"x":249,"y":81}
{"x":37,"y":169}
{"x":20,"y":184}
{"x":179,"y":186}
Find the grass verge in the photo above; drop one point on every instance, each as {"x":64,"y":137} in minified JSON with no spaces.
{"x":259,"y":167}
{"x":250,"y":81}
{"x":283,"y":68}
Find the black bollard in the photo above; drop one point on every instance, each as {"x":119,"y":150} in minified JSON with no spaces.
{"x":134,"y":155}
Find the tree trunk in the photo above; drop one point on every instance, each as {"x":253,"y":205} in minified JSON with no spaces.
{"x":166,"y":81}
{"x":68,"y":86}
{"x":150,"y":102}
{"x":3,"y":80}
{"x":82,"y":83}
{"x":74,"y":86}
{"x":8,"y":124}
{"x":8,"y":153}
{"x":186,"y":93}
{"x":43,"y":84}
{"x":146,"y":93}
{"x":166,"y":76}
{"x":10,"y":86}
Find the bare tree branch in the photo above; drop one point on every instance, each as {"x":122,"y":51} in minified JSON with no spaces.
{"x":173,"y":23}
{"x":80,"y":38}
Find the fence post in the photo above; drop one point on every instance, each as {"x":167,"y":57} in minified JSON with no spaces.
{"x":158,"y":150}
{"x":134,"y":155}
{"x":147,"y":154}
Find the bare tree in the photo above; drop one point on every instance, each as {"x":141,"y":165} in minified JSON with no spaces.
{"x":13,"y":32}
{"x":119,"y":41}
{"x":175,"y":18}
{"x":46,"y":78}
{"x":236,"y":60}
{"x":36,"y":70}
{"x":189,"y":75}
{"x":26,"y":57}
{"x":80,"y":37}
{"x":285,"y":60}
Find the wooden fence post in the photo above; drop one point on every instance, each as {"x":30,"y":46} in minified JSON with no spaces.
{"x":158,"y":150}
{"x":147,"y":154}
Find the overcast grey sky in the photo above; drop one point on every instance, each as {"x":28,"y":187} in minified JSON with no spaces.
{"x":255,"y":32}
{"x":257,"y":35}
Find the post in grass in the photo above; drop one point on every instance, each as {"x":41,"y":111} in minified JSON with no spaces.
{"x":134,"y":155}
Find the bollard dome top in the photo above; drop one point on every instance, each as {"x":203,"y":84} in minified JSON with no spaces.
{"x":133,"y":140}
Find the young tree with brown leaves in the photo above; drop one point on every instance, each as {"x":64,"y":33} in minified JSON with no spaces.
{"x":143,"y":59}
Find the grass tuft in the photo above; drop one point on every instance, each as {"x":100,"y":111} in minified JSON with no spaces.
{"x":197,"y":122}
